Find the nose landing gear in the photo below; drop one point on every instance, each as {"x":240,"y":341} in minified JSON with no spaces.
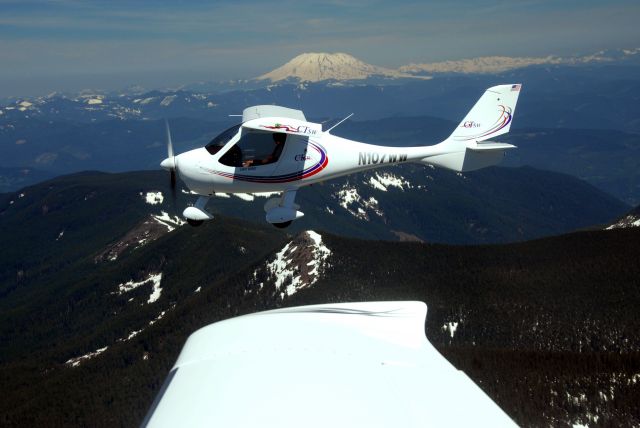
{"x":196,"y":215}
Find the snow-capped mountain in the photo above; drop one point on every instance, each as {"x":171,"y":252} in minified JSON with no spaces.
{"x":315,"y":67}
{"x":498,"y":64}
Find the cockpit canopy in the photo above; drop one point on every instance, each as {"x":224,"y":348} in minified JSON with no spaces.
{"x":219,"y":142}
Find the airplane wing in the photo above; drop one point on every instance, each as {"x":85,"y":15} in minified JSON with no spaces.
{"x":351,"y":364}
{"x":257,"y":112}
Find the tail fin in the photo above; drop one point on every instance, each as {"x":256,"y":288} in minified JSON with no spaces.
{"x":490,"y":116}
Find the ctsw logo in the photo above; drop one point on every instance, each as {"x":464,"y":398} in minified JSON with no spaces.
{"x":470,"y":124}
{"x":301,"y":129}
{"x":373,"y":158}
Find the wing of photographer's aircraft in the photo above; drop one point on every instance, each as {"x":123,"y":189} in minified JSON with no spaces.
{"x":352,"y":364}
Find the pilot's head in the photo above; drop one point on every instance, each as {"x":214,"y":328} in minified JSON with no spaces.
{"x":279,"y":137}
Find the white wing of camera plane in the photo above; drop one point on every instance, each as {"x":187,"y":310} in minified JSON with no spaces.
{"x":348,"y":365}
{"x":246,"y":159}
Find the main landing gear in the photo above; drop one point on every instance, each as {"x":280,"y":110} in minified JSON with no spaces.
{"x":282,"y":211}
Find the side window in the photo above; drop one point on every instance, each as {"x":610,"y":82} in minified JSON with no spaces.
{"x":255,"y":148}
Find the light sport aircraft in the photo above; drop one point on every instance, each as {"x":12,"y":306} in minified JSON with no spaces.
{"x":275,"y":149}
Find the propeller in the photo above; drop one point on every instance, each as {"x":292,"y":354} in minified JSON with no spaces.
{"x":170,"y":163}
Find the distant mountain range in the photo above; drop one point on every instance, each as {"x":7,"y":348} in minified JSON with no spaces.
{"x":316,"y":67}
{"x":90,"y":327}
{"x":499,"y":64}
{"x":311,"y":72}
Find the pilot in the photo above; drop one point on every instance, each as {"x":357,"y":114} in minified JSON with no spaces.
{"x":278,"y":139}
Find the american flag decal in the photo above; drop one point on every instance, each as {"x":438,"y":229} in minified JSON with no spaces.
{"x":515,"y":88}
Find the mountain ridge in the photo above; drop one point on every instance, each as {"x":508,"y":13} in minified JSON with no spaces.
{"x":521,"y":320}
{"x":317,"y":67}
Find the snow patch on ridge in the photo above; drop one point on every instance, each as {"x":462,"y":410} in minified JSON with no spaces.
{"x":350,"y":200}
{"x":166,"y":220}
{"x":299,"y":264}
{"x":153,"y":198}
{"x":134,"y":333}
{"x":627,"y":221}
{"x":385,"y":180}
{"x":348,"y":196}
{"x":75,"y":362}
{"x":131,"y":285}
{"x":451,"y":327}
{"x":150,"y":229}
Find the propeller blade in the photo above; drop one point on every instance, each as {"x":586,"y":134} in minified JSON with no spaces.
{"x":172,"y":165}
{"x":174,"y":195}
{"x":169,"y":144}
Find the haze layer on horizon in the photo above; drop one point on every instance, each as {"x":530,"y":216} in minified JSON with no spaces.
{"x":60,"y":45}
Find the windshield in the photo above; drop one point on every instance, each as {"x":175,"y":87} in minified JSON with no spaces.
{"x":217,"y":143}
{"x":255,"y":148}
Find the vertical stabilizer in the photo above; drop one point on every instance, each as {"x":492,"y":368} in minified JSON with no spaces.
{"x":490,"y":116}
{"x":466,"y":149}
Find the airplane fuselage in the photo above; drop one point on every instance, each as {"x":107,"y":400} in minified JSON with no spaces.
{"x":304,"y":161}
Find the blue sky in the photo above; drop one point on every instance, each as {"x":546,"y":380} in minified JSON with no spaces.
{"x":48,"y":45}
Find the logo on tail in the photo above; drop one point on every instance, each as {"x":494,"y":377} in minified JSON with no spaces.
{"x":503,"y":120}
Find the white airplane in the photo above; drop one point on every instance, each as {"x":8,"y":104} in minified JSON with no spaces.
{"x":275,"y":149}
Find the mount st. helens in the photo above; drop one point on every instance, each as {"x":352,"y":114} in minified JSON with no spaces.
{"x":316,"y":67}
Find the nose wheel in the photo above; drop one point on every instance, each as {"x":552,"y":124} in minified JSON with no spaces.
{"x":196,"y":215}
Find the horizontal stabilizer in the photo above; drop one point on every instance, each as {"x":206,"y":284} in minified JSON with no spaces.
{"x":489,"y":146}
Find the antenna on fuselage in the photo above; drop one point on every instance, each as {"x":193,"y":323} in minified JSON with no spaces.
{"x":327,"y":131}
